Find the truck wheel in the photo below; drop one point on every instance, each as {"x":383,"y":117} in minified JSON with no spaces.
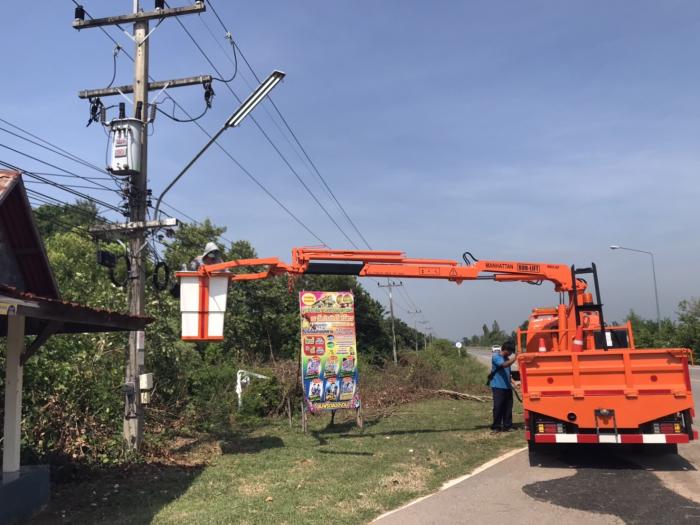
{"x":536,"y":453}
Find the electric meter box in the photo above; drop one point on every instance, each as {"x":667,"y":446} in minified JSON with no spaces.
{"x":203,"y":305}
{"x":146,"y":381}
{"x":125,"y":156}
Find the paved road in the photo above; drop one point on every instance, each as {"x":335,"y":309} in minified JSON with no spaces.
{"x":578,"y":485}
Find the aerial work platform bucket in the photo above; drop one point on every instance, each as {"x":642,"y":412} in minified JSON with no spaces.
{"x":203,"y":305}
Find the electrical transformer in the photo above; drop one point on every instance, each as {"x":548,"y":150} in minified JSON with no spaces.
{"x":126,"y":146}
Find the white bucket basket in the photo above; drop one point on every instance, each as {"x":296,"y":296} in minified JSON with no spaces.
{"x":203,"y":305}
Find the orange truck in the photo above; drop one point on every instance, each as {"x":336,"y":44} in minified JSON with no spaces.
{"x":583,"y":381}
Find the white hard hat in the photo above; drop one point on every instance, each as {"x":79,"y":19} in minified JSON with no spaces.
{"x":210,"y":247}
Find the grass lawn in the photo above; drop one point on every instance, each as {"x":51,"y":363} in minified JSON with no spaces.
{"x":276,"y":475}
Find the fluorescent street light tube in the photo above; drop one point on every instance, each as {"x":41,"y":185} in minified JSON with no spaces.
{"x":254,"y":98}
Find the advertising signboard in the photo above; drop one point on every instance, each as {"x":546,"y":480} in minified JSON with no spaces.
{"x":328,"y":350}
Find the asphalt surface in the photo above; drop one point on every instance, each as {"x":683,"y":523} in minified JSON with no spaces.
{"x":576,"y":485}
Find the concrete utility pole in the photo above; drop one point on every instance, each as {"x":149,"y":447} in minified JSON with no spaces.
{"x":426,"y":327}
{"x":390,"y":284}
{"x":133,"y":412}
{"x":415,"y":324}
{"x":138,"y":194}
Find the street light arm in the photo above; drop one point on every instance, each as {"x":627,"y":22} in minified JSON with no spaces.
{"x":653,"y":272}
{"x":631,"y":250}
{"x":184,"y":170}
{"x":234,"y":120}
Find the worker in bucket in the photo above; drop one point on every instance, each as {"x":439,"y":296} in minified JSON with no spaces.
{"x":501,"y":386}
{"x":211,"y":255}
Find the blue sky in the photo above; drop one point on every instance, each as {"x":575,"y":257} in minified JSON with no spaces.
{"x":541,"y":131}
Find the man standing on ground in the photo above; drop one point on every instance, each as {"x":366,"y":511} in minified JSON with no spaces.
{"x":500,"y":384}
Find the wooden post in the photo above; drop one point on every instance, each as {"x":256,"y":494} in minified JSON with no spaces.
{"x":13,"y":397}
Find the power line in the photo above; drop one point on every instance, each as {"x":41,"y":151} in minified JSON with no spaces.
{"x":117,"y":48}
{"x":52,"y":201}
{"x":233,"y":48}
{"x":287,"y":125}
{"x":53,"y":183}
{"x":289,"y":129}
{"x":296,"y":139}
{"x":267,"y":137}
{"x":78,"y":186}
{"x":61,"y":152}
{"x":76,"y":158}
{"x":224,"y":150}
{"x":408,"y":298}
{"x":51,"y":174}
{"x":291,"y":132}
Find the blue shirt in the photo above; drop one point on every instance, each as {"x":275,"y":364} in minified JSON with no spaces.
{"x":501,"y":379}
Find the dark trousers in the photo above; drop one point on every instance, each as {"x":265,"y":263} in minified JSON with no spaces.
{"x":502,"y":408}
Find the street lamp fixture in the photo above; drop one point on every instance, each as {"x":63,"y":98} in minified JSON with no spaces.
{"x":234,"y":120}
{"x":254,"y":98}
{"x":653,"y":272}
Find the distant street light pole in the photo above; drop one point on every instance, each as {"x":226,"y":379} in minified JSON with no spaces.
{"x":653,"y":272}
{"x":234,"y":120}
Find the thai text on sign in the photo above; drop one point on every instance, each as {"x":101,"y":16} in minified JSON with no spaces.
{"x":328,"y":350}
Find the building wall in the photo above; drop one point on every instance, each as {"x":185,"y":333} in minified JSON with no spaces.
{"x":9,"y":269}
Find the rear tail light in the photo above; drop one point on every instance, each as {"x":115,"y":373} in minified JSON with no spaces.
{"x":667,"y":428}
{"x":550,"y":428}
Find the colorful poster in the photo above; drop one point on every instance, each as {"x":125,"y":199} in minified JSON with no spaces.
{"x":328,"y":350}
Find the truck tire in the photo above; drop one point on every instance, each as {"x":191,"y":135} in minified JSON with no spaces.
{"x":536,"y":453}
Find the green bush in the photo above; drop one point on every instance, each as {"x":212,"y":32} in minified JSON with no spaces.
{"x":260,"y":398}
{"x":440,"y":366}
{"x":213,"y":401}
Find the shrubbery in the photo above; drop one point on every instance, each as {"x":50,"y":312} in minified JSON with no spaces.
{"x":73,"y":401}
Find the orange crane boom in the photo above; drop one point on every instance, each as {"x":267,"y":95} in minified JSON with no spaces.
{"x":366,"y":263}
{"x":396,"y":264}
{"x":572,"y":393}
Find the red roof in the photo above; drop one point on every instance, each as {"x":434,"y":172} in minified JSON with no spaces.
{"x":32,"y":290}
{"x":74,"y":317}
{"x":19,"y":231}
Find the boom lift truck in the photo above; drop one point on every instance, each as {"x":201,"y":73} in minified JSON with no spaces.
{"x":582,"y":381}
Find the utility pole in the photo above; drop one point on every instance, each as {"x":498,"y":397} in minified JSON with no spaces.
{"x":390,"y":284}
{"x":136,"y":293}
{"x":138,"y":192}
{"x":426,"y":327}
{"x":415,"y":324}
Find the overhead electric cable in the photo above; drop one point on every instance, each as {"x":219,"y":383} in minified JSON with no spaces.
{"x":75,"y":186}
{"x":267,"y":137}
{"x":63,"y":175}
{"x":226,"y":152}
{"x":53,"y":183}
{"x":62,"y":153}
{"x":291,"y":131}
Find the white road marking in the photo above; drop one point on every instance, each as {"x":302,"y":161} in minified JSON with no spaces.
{"x":453,"y":482}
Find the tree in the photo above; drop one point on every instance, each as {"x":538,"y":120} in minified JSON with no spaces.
{"x":52,"y":219}
{"x":688,"y":331}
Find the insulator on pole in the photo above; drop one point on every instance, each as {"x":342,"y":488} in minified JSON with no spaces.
{"x":80,"y":13}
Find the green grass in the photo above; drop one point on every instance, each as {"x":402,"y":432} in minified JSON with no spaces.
{"x":274,"y":474}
